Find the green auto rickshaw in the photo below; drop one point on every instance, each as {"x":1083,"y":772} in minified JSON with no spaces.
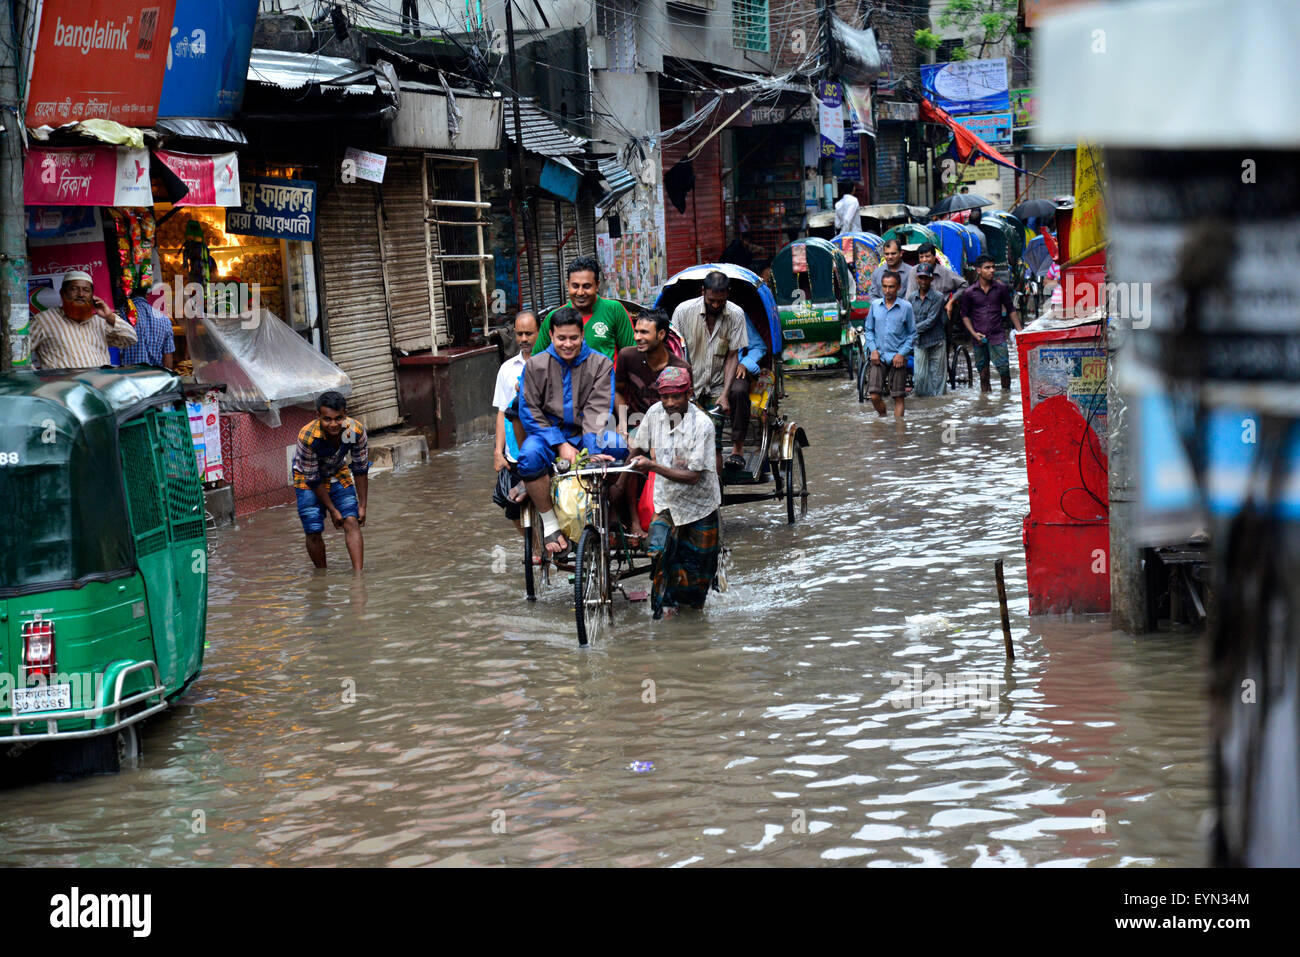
{"x":103,"y":570}
{"x":1004,"y":241}
{"x":814,"y":291}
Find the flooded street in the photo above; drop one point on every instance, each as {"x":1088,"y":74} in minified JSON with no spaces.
{"x":844,"y":701}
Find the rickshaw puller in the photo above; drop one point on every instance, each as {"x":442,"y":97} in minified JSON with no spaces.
{"x":715,"y":330}
{"x":566,"y":402}
{"x":331,"y":468}
{"x":635,"y":391}
{"x":683,"y":540}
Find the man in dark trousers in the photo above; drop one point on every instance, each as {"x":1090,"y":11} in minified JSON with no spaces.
{"x":982,"y":307}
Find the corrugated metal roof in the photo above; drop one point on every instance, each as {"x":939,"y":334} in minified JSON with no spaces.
{"x":541,"y":135}
{"x":202,"y":130}
{"x":619,"y":179}
{"x":293,"y":71}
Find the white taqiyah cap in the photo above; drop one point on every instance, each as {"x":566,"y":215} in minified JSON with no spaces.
{"x":74,"y":274}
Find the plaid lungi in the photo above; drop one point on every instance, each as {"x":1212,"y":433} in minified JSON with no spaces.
{"x":685,"y":561}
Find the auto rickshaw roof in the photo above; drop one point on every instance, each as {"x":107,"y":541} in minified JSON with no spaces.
{"x":87,"y":394}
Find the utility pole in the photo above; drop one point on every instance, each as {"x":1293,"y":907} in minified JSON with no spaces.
{"x":828,"y":8}
{"x":13,"y":216}
{"x":520,"y":191}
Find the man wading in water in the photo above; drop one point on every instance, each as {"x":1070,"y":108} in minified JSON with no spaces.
{"x":331,"y":475}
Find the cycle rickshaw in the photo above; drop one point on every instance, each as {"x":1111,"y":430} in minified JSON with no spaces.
{"x":777,"y":443}
{"x":814,"y":292}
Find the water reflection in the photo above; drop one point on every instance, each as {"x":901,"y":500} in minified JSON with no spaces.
{"x":426,"y":714}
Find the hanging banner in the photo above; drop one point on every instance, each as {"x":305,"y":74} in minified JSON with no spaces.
{"x":861,"y":116}
{"x":213,"y":180}
{"x":87,"y":176}
{"x":278,"y":208}
{"x":830,"y":97}
{"x":207,"y":62}
{"x":849,"y":166}
{"x":967,"y":86}
{"x":99,"y":59}
{"x":76,"y":223}
{"x":1088,"y":225}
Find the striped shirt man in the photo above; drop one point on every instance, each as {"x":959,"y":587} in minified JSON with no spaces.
{"x":156,"y":343}
{"x":58,"y":342}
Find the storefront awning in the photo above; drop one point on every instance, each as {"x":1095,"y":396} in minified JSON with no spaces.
{"x":213,"y":130}
{"x":293,"y":71}
{"x":540,"y":134}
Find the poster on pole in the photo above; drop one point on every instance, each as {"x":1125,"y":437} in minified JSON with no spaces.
{"x":830,"y":98}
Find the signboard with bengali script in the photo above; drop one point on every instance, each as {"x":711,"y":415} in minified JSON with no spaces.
{"x":99,"y":59}
{"x":278,"y":208}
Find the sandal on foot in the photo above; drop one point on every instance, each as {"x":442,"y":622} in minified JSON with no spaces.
{"x":554,"y":538}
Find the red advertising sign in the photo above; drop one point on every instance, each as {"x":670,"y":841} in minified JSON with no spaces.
{"x":99,"y":59}
{"x":87,"y":176}
{"x":213,"y":180}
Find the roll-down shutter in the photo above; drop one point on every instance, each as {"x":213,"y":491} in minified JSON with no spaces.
{"x":551,"y":277}
{"x":356,"y":318}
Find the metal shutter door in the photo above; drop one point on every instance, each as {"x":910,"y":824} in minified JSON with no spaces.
{"x":407,"y":256}
{"x":550,"y":277}
{"x":356,"y":322}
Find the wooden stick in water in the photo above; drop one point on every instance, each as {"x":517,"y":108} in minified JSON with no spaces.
{"x":1006,"y":617}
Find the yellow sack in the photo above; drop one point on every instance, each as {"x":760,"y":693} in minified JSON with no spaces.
{"x":571,"y":501}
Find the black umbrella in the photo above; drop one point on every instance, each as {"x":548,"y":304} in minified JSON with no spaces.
{"x":957,"y":202}
{"x":1035,"y":209}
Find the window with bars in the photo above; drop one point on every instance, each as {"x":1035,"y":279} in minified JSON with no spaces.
{"x":749,"y":24}
{"x":616,"y":22}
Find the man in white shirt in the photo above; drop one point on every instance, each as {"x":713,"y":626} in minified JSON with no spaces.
{"x":683,"y":539}
{"x":714,"y":331}
{"x":505,"y":452}
{"x":846,"y":211}
{"x":77,"y":335}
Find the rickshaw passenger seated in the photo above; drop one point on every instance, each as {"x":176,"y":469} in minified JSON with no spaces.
{"x":751,"y":357}
{"x":566,"y":403}
{"x":714,"y":330}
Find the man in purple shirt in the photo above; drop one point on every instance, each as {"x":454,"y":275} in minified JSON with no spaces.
{"x":981,"y":307}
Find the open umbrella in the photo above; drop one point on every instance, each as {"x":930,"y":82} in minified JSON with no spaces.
{"x":957,"y":202}
{"x":1035,"y":209}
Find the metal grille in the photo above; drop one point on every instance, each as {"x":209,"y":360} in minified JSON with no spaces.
{"x":749,"y":24}
{"x":184,"y":496}
{"x":147,"y":520}
{"x":615,"y":21}
{"x":458,"y":222}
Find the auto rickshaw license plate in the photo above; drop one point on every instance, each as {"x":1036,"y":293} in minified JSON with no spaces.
{"x":43,"y":698}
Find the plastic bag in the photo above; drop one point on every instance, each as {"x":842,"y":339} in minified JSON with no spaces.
{"x":571,"y":501}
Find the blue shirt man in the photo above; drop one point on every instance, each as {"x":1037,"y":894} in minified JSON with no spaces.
{"x":155,"y":343}
{"x":890,"y":328}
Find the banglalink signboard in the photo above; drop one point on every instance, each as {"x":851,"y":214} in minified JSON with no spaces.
{"x":99,"y":59}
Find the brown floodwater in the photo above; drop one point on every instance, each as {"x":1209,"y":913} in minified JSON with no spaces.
{"x":844,"y":701}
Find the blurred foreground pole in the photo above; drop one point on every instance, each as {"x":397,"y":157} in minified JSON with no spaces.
{"x":1191,"y":102}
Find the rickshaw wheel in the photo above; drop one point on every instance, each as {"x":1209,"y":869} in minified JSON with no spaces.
{"x":862,"y":382}
{"x":961,"y":369}
{"x":790,"y":493}
{"x":588,"y":596}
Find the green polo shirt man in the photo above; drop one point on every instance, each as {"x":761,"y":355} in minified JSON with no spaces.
{"x":606,"y":327}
